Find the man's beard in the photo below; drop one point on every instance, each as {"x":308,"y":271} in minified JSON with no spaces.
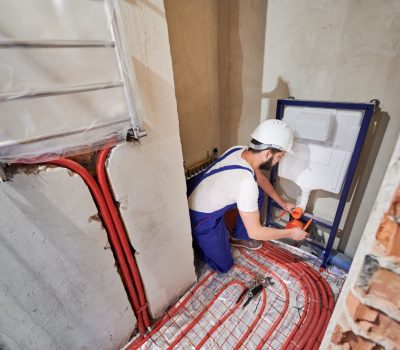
{"x":266,"y":165}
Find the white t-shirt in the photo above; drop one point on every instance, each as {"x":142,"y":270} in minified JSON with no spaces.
{"x":227,"y":187}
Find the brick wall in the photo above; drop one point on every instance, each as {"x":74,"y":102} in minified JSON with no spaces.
{"x":371,"y":316}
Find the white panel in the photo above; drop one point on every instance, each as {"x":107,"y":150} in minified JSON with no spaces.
{"x":320,"y":165}
{"x":59,"y":286}
{"x":314,"y":124}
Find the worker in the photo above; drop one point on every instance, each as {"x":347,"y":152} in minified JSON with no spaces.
{"x":235,"y":180}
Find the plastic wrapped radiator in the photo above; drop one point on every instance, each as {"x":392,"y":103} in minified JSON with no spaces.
{"x":65,"y":87}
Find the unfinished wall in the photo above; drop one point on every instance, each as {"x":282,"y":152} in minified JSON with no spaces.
{"x":148,"y":179}
{"x":338,"y":51}
{"x":192,"y":26}
{"x":217,"y":48}
{"x":367,"y":314}
{"x":241,"y":34}
{"x":59,"y":286}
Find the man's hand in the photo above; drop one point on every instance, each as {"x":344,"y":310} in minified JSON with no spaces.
{"x":298,"y":234}
{"x":289,"y":206}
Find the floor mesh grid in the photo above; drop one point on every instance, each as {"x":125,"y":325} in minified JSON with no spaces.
{"x":291,"y":313}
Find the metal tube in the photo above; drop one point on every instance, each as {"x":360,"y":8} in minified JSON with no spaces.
{"x":68,"y":133}
{"x":12,"y":96}
{"x":50,"y":44}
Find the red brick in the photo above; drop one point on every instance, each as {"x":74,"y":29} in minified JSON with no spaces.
{"x":389,"y":231}
{"x":388,"y":235}
{"x":349,"y":340}
{"x":385,"y":284}
{"x":359,"y":311}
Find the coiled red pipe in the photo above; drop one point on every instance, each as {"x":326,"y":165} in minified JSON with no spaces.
{"x":311,"y":335}
{"x":283,"y":311}
{"x":109,"y":226}
{"x":168,"y":315}
{"x":312,"y":315}
{"x":308,"y":311}
{"x":121,"y":233}
{"x":201,"y":314}
{"x":257,"y":318}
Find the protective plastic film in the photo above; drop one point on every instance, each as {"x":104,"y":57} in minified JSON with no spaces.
{"x":63,"y":80}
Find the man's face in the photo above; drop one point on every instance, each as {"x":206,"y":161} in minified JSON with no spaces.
{"x":271,"y":160}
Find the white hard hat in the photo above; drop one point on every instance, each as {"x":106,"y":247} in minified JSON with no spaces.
{"x":273,"y":133}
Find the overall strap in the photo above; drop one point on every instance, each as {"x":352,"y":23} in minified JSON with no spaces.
{"x":224,"y":168}
{"x":194,"y":182}
{"x":233,"y":150}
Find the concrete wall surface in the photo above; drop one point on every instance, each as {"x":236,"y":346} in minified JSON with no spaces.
{"x":148,"y":179}
{"x":338,"y":51}
{"x":59,"y":287}
{"x":193,"y":36}
{"x":217,"y":52}
{"x":241,"y":36}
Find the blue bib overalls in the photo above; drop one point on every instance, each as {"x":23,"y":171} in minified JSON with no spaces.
{"x":208,"y":229}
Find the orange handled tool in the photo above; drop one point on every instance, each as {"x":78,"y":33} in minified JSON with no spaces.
{"x":307,"y":225}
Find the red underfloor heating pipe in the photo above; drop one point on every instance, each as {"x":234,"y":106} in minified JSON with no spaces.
{"x":104,"y":186}
{"x":112,"y":234}
{"x":306,"y":333}
{"x":310,"y":333}
{"x":320,"y":290}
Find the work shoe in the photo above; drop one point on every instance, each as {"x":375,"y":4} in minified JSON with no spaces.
{"x":250,"y":244}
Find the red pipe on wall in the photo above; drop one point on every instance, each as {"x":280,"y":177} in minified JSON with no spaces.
{"x":121,"y":233}
{"x":110,"y":229}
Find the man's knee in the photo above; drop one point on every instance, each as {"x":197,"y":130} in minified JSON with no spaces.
{"x":221,"y":266}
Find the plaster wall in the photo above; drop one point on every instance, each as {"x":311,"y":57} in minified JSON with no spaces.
{"x":193,"y":36}
{"x":217,"y":52}
{"x":59,"y":286}
{"x":148,"y":179}
{"x":241,"y":35}
{"x":338,"y":51}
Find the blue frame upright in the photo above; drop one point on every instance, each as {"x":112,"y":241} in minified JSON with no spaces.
{"x":368,"y":109}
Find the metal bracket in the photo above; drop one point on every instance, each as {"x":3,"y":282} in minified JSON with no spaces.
{"x":376,"y":103}
{"x":3,"y":174}
{"x":134,"y":135}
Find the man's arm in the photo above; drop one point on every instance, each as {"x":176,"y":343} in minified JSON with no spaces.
{"x":267,"y":187}
{"x":256,"y":231}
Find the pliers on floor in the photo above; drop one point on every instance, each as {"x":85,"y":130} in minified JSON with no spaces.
{"x":254,"y":289}
{"x":253,"y":294}
{"x":246,"y":291}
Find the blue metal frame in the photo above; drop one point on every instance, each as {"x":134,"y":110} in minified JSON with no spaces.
{"x":368,"y":109}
